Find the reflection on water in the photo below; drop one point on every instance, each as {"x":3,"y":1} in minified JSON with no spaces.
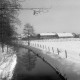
{"x":28,"y":60}
{"x":30,"y":67}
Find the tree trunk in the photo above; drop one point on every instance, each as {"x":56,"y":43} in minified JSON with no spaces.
{"x":7,"y":48}
{"x":2,"y":45}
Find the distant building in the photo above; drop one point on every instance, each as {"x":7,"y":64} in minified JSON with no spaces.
{"x":76,"y":35}
{"x":48,"y":35}
{"x":65,"y":35}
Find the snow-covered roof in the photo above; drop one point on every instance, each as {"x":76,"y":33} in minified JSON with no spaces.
{"x":65,"y":34}
{"x":45,"y":34}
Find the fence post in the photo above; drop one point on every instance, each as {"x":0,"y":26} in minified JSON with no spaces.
{"x":58,"y":51}
{"x":66,"y":53}
{"x":52,"y":49}
{"x":40,"y":45}
{"x":35,"y":44}
{"x":43,"y":46}
{"x":49,"y":49}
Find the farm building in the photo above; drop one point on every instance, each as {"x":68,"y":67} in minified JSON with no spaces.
{"x":65,"y":35}
{"x":48,"y":35}
{"x":55,"y":35}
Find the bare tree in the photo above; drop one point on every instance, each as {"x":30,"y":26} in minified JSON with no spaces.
{"x":28,"y":31}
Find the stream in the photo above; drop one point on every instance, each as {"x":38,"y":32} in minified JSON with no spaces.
{"x":31,"y":67}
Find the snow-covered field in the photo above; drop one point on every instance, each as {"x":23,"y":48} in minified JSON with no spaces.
{"x":65,"y":48}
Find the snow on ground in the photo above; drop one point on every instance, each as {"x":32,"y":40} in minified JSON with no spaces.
{"x":66,"y":48}
{"x":70,"y":69}
{"x":7,"y":63}
{"x":54,"y":52}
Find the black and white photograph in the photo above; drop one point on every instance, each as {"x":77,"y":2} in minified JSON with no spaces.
{"x":39,"y":39}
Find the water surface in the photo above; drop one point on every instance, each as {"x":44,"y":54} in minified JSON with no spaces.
{"x":31,"y":67}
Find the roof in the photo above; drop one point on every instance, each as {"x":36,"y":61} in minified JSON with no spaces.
{"x":45,"y":34}
{"x":65,"y":34}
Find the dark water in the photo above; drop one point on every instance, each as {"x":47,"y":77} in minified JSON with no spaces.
{"x":30,"y":67}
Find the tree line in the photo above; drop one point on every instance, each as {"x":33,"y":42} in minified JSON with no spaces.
{"x":8,"y":17}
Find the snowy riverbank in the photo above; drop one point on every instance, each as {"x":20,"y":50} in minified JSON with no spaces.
{"x":7,"y":63}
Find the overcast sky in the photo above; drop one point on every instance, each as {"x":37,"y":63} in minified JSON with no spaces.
{"x":64,"y":16}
